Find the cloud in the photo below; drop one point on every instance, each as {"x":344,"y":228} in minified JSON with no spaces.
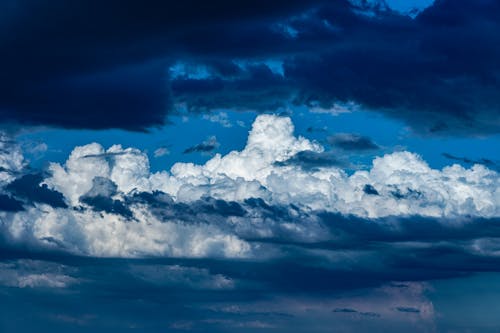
{"x":162,"y":151}
{"x":352,"y":142}
{"x":488,"y":163}
{"x":407,"y":309}
{"x":263,"y":193}
{"x":181,"y":277}
{"x":316,"y":53}
{"x":369,"y":189}
{"x":353,"y":311}
{"x":28,"y":187}
{"x":11,"y":159}
{"x":35,"y":274}
{"x":99,"y":197}
{"x":310,"y":159}
{"x":123,"y":79}
{"x":206,"y":146}
{"x":10,"y":204}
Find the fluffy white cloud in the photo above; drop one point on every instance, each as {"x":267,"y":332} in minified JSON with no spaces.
{"x":405,"y":184}
{"x":398,"y":184}
{"x":109,"y":235}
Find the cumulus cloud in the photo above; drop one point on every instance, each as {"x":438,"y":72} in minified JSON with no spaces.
{"x":259,"y":171}
{"x":117,"y":207}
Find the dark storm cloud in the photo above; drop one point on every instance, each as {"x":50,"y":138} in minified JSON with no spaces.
{"x":102,"y":64}
{"x":438,"y":72}
{"x":352,"y":142}
{"x":253,"y":87}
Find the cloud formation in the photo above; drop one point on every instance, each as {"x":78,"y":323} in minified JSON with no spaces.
{"x":136,"y":70}
{"x":114,"y":206}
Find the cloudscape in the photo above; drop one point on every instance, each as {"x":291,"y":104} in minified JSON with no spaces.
{"x":282,"y":166}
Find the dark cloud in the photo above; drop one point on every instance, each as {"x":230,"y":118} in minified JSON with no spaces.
{"x":369,"y":189}
{"x":99,"y":197}
{"x":310,"y":160}
{"x":353,"y":311}
{"x":344,"y":310}
{"x":9,"y":204}
{"x":30,"y":189}
{"x":352,"y":142}
{"x":206,"y":146}
{"x":484,"y":161}
{"x":411,"y":69}
{"x":407,"y":309}
{"x":97,"y":66}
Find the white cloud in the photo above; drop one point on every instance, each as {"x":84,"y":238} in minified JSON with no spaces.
{"x":108,"y":235}
{"x":404,"y":185}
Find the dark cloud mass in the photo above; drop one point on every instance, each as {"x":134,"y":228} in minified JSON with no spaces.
{"x":29,"y":188}
{"x":104,"y":64}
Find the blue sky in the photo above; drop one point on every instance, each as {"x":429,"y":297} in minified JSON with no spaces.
{"x":284,"y":166}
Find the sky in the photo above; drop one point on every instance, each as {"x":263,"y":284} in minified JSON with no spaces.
{"x":247,"y":166}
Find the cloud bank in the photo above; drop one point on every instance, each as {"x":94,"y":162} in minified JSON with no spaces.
{"x":114,"y":206}
{"x":436,"y":67}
